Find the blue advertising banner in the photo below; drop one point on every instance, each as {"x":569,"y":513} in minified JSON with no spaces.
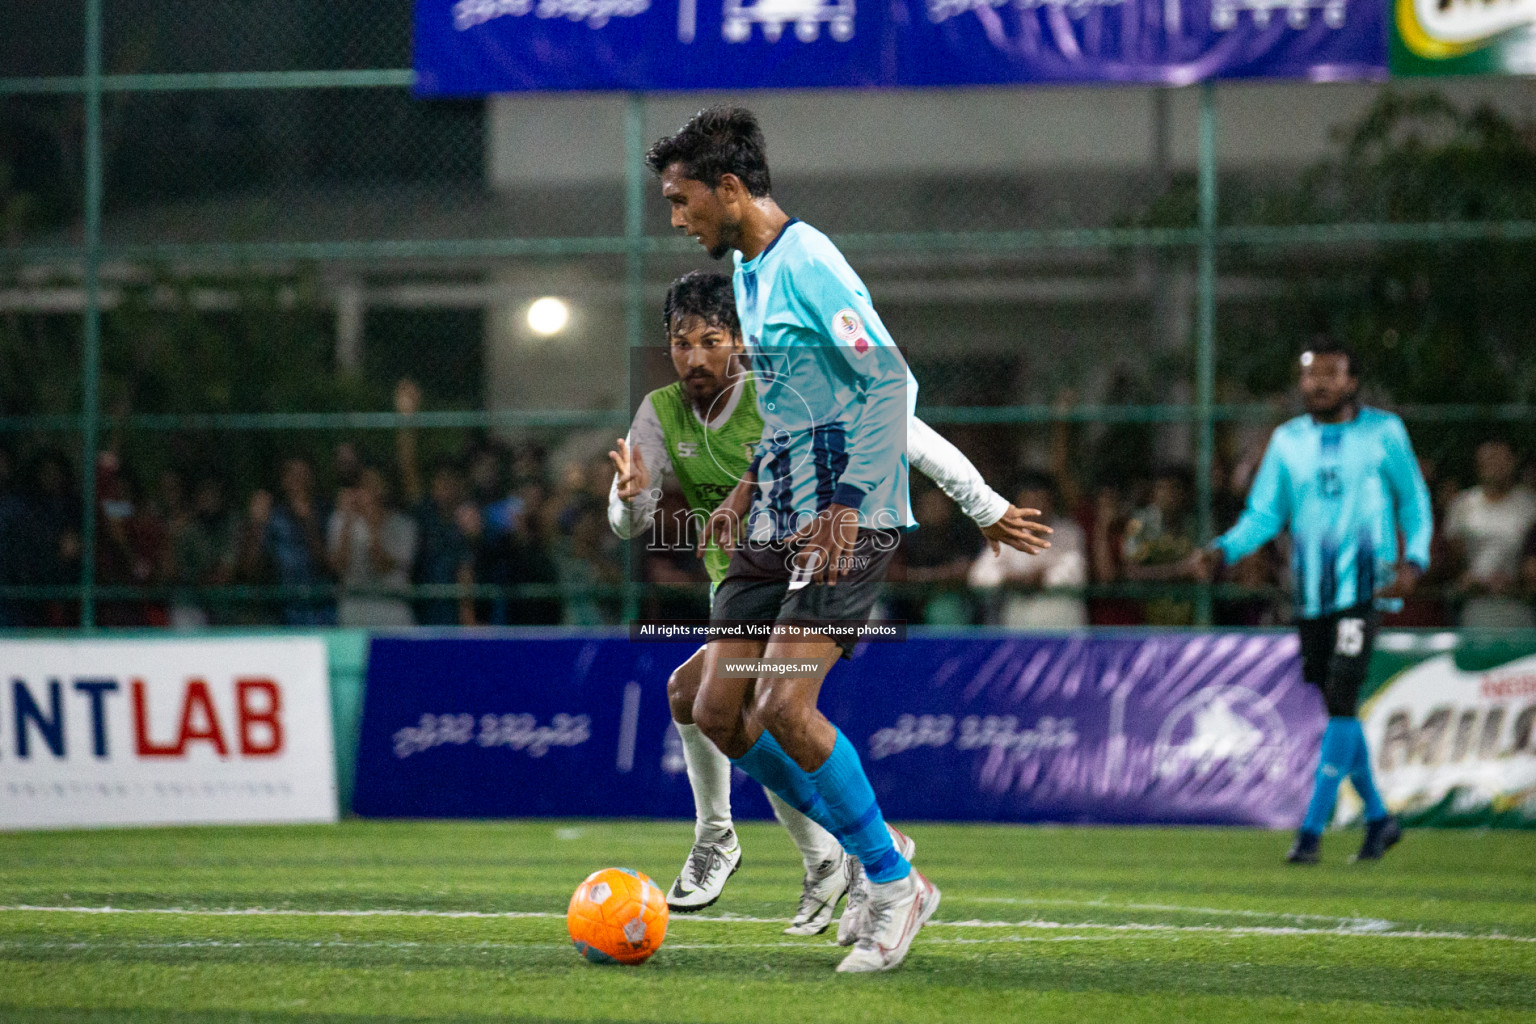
{"x":473,"y":47}
{"x":1132,"y":728}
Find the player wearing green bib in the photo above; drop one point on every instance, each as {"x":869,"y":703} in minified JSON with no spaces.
{"x":701,"y":431}
{"x":707,"y":461}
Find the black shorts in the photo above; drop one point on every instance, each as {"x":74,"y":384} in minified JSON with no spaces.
{"x":1336,"y":655}
{"x":757,"y":586}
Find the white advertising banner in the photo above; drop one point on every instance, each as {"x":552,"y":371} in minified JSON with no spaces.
{"x":162,"y":732}
{"x":1454,"y":744}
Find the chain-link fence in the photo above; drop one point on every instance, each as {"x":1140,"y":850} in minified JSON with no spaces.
{"x":244,"y":269}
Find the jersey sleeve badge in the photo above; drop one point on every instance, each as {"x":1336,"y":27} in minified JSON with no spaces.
{"x":848,"y":327}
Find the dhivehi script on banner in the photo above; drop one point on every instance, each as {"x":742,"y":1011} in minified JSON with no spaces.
{"x":152,"y":732}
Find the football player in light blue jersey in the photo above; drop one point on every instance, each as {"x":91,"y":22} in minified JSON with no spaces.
{"x":825,"y":501}
{"x":1344,"y":479}
{"x":836,"y":392}
{"x":709,"y":400}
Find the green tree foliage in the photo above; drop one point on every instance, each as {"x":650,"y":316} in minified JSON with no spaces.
{"x":227,"y":344}
{"x":1443,"y":322}
{"x":1451,"y":322}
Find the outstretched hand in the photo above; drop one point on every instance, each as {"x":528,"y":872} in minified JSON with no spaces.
{"x":407,"y":397}
{"x":1408,"y":576}
{"x":1020,"y":529}
{"x":1201,"y":565}
{"x":634,"y":478}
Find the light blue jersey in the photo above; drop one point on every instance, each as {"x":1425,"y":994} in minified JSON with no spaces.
{"x":833,"y":389}
{"x":1344,"y":489}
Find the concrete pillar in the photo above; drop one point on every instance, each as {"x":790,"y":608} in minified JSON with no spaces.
{"x":351,"y":310}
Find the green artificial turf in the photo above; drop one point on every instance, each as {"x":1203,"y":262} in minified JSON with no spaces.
{"x":1091,"y":926}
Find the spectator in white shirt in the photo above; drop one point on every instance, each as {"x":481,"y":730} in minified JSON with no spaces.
{"x":1026,"y":581}
{"x":1486,"y":528}
{"x":372,"y":547}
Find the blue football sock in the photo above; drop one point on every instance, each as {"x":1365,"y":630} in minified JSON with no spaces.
{"x":860,"y":825}
{"x":768,"y":764}
{"x":1338,"y":757}
{"x":1361,"y":777}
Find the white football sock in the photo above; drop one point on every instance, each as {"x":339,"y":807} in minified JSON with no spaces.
{"x":815,"y":843}
{"x":709,"y":774}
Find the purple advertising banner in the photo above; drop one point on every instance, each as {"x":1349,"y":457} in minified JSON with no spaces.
{"x":478,"y":46}
{"x":473,"y":47}
{"x":1127,"y":727}
{"x":1177,"y":729}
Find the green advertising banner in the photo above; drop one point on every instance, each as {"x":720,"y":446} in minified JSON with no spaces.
{"x":1451,"y":722}
{"x":1463,"y":37}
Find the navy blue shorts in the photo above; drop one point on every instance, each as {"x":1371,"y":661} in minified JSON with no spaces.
{"x":762,"y":586}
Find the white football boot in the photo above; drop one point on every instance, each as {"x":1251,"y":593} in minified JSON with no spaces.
{"x":705,"y":872}
{"x":893,"y":915}
{"x":824,"y":885}
{"x":858,"y":887}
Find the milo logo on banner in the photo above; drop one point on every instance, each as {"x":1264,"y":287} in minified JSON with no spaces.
{"x":1454,"y":744}
{"x":1463,"y":37}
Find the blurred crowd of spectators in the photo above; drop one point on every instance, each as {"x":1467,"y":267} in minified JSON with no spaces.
{"x":1114,"y":542}
{"x":503,"y":535}
{"x":359,"y":553}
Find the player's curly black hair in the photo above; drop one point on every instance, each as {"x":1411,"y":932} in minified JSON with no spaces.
{"x":1328,"y":345}
{"x":717,"y":141}
{"x":701,"y":294}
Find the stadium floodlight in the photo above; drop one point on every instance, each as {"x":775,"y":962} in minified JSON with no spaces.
{"x":548,"y":316}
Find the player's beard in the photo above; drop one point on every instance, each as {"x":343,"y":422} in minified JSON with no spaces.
{"x":704,"y":390}
{"x":730,"y":238}
{"x":1331,"y":410}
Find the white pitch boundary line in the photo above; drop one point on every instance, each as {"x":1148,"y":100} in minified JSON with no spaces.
{"x":284,"y":912}
{"x":278,"y":943}
{"x":1360,"y":923}
{"x":1216,"y":929}
{"x":1033,"y":924}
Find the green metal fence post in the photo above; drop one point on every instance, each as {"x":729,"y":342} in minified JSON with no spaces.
{"x":91,"y":371}
{"x":634,"y":217}
{"x":1205,"y":354}
{"x":634,"y":283}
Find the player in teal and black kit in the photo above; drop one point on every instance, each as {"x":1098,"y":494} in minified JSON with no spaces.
{"x":1344,"y":479}
{"x":822,"y":513}
{"x":701,"y":431}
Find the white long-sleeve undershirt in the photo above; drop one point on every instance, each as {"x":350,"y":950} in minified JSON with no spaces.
{"x":931,"y":454}
{"x":645,"y":436}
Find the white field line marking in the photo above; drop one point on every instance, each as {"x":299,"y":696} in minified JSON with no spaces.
{"x":282,"y":912}
{"x":1031,"y":924}
{"x":1356,"y":923}
{"x":1216,"y":929}
{"x":8,"y":944}
{"x":927,"y":941}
